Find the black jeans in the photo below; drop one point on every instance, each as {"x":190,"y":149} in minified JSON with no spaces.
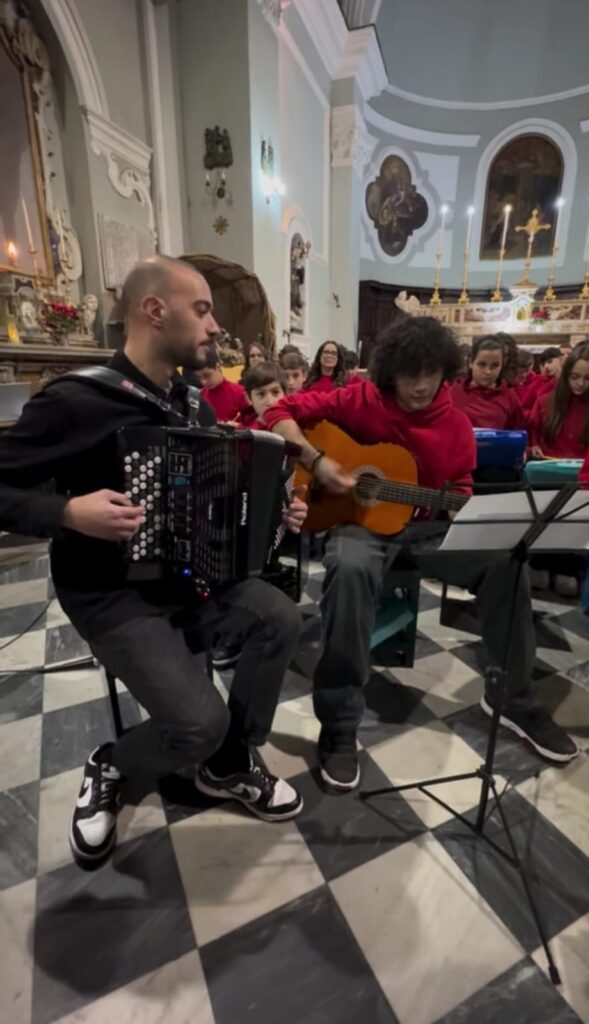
{"x":357,"y":564}
{"x":154,"y":656}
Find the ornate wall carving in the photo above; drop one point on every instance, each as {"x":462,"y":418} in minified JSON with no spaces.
{"x":128,"y":161}
{"x":351,"y":144}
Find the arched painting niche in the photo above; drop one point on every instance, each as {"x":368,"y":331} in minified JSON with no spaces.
{"x":394,"y":205}
{"x":526,"y":173}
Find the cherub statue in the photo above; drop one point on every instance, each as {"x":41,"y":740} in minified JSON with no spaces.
{"x":89,"y":310}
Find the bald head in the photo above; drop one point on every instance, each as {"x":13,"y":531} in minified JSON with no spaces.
{"x":153,"y":276}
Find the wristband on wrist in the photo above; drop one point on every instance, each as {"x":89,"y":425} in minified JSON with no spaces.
{"x":320,"y":455}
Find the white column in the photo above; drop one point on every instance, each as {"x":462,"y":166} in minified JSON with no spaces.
{"x":351,"y":150}
{"x":167,"y":180}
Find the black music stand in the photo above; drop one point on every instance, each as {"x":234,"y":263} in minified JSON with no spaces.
{"x":527,"y":529}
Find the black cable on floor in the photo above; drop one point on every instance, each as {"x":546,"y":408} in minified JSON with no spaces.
{"x":13,"y":639}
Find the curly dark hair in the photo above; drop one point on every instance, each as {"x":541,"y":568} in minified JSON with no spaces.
{"x":419,"y":344}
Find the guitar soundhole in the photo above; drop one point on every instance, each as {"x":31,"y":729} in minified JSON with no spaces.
{"x":368,"y":480}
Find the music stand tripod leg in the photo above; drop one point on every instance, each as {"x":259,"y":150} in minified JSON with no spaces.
{"x":497,"y":678}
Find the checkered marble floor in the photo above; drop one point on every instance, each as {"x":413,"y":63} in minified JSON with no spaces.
{"x":385,"y":911}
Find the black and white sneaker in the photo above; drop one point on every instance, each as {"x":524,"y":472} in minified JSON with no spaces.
{"x":338,"y":759}
{"x":265,"y":795}
{"x":225,"y":655}
{"x":538,"y":729}
{"x":94,"y":823}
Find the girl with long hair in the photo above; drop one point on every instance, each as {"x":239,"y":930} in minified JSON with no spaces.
{"x":559,"y":422}
{"x":255,"y":354}
{"x":328,"y":370}
{"x":484,"y":395}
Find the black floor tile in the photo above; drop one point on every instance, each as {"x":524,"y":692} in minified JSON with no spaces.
{"x":71,"y":733}
{"x":575,"y":621}
{"x":295,"y":685}
{"x":514,"y":759}
{"x":390,"y":707}
{"x":523,"y":995}
{"x":21,"y":695}
{"x":342,"y":831}
{"x":19,"y":821}
{"x":63,"y":643}
{"x":22,"y":618}
{"x":96,"y":931}
{"x":181,"y":799}
{"x":557,"y":870}
{"x":297,"y":965}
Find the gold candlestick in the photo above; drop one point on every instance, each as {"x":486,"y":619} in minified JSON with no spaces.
{"x":550,"y":293}
{"x":532,"y":228}
{"x":584,"y":293}
{"x":496,"y":296}
{"x":464,"y":293}
{"x":436,"y":299}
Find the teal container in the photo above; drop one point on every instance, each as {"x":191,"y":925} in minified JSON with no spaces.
{"x":553,"y":473}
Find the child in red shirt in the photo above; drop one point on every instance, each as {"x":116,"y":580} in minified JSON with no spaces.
{"x":544,"y":382}
{"x":327,"y":369}
{"x":484,"y":396}
{"x":227,"y":398}
{"x":525,"y":375}
{"x":295,"y":369}
{"x":559,"y":422}
{"x":407,"y":402}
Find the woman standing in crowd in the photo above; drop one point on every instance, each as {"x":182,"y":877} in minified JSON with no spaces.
{"x":484,"y":396}
{"x":327,"y":369}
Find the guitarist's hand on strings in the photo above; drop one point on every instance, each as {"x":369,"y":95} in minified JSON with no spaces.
{"x":331,"y":476}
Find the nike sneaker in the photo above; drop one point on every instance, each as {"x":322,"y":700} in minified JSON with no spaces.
{"x":94,"y":823}
{"x":265,"y":795}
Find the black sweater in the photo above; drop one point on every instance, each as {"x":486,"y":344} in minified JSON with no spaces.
{"x":67,"y":434}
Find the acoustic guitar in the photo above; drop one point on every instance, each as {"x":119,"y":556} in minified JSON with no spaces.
{"x":386,"y":491}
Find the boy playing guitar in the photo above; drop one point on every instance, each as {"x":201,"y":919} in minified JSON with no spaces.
{"x":408,"y":403}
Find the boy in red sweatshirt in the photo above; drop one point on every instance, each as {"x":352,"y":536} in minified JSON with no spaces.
{"x":544,"y":382}
{"x":227,"y":398}
{"x":407,"y":402}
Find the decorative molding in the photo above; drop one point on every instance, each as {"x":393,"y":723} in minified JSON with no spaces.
{"x":115,"y":144}
{"x":351,"y":144}
{"x":419,"y":239}
{"x":428,"y":138}
{"x":359,"y":13}
{"x":584,"y":126}
{"x":69,"y":28}
{"x":345,"y":54}
{"x":274,"y":9}
{"x":529,"y":101}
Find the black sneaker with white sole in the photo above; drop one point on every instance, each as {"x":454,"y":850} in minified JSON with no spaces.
{"x":537,"y":728}
{"x":93,"y":830}
{"x":338,"y":759}
{"x":265,"y":795}
{"x":225,"y":655}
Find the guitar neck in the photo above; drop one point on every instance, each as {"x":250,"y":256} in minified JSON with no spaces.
{"x":424,"y":497}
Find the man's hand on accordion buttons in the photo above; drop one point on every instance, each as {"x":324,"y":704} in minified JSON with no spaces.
{"x":105,"y":514}
{"x":296,"y":513}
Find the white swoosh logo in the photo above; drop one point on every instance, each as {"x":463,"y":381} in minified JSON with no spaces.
{"x":85,"y":794}
{"x":251,"y":792}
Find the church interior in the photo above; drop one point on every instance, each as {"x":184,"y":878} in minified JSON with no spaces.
{"x":333,"y":170}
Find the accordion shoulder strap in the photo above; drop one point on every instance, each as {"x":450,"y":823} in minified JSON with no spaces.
{"x":106,"y":379}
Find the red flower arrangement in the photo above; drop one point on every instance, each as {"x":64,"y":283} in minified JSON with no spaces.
{"x":59,"y":317}
{"x":541,"y":313}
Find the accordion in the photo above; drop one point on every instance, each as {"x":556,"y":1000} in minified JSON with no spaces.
{"x":213,"y":501}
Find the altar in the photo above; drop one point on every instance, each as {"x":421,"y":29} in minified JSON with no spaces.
{"x":535,"y":324}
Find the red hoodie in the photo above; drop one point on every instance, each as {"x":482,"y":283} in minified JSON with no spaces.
{"x":322,"y":384}
{"x":227,"y":399}
{"x":540,"y":386}
{"x":584,"y":474}
{"x":440,"y":438}
{"x":567,"y":444}
{"x":490,"y":408}
{"x":520,"y":389}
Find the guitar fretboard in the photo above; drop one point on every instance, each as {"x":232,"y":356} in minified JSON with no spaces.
{"x":411,"y":494}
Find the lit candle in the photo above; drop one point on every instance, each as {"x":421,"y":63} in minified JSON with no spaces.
{"x":559,"y":205}
{"x":444,"y":212}
{"x":507,"y":211}
{"x":12,"y":253}
{"x":27,"y":224}
{"x":470,"y":213}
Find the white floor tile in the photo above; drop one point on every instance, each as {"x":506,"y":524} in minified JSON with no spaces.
{"x":429,"y":752}
{"x":440,"y":673}
{"x":17,"y":911}
{"x":56,"y":804}
{"x":562,"y":796}
{"x":235,"y":868}
{"x":570,"y":950}
{"x":431,"y":940}
{"x":174,"y":994}
{"x":26,"y":592}
{"x":25,"y":652}
{"x":63,"y":689}
{"x":292,"y":746}
{"x":20,"y":752}
{"x":568,"y":703}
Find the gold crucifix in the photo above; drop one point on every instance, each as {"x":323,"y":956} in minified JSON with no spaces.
{"x":532,"y":228}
